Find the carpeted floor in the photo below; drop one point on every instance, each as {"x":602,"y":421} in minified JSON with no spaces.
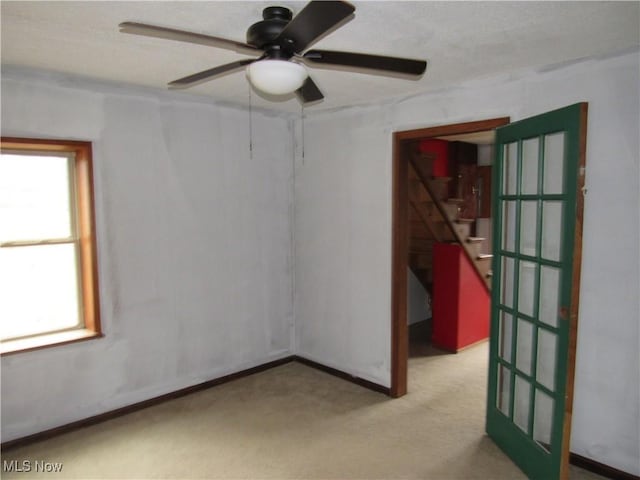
{"x":296,"y":422}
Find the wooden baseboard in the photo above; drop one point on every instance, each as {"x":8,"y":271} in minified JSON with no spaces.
{"x":345,"y":376}
{"x":118,"y":412}
{"x":574,"y":459}
{"x":600,"y":468}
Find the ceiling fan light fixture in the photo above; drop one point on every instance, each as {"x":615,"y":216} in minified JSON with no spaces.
{"x":276,"y":77}
{"x":276,"y":43}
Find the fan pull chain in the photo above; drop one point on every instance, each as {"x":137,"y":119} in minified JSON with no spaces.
{"x":302,"y":128}
{"x":250,"y":125}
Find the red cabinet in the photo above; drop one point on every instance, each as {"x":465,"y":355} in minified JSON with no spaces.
{"x":460,"y":301}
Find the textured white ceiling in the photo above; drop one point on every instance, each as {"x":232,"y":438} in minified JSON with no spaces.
{"x":460,"y":40}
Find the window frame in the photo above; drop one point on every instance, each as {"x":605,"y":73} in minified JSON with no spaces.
{"x":87,"y":260}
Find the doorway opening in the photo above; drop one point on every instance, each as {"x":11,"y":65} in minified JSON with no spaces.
{"x":406,"y":144}
{"x":538,"y":204}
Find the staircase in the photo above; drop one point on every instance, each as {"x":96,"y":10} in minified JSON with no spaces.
{"x":433,"y":217}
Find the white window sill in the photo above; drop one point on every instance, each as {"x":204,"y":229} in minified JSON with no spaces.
{"x":45,"y":341}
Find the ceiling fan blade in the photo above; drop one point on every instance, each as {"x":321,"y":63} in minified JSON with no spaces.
{"x":207,"y":75}
{"x":309,"y":92}
{"x":184,"y":36}
{"x":372,"y":62}
{"x":315,"y":19}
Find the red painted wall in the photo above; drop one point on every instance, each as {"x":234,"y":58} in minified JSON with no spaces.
{"x":460,"y":301}
{"x":439,"y":148}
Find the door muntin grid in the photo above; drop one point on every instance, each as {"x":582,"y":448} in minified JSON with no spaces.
{"x":531,"y":207}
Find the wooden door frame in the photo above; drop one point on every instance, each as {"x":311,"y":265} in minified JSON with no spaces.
{"x":400,"y":238}
{"x":575,"y":292}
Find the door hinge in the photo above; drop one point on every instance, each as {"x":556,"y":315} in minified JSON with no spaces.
{"x":564,"y":313}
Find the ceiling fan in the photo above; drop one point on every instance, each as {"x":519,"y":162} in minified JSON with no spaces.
{"x":280,"y":42}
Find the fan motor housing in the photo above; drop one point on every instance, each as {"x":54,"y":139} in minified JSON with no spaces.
{"x":264,"y":33}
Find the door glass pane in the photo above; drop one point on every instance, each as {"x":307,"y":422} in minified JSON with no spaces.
{"x":506,"y":329}
{"x":509,"y":226}
{"x":530,"y":149}
{"x":504,"y":390}
{"x":526,"y":288}
{"x":521,"y":404}
{"x":507,"y":281}
{"x":524,"y":346}
{"x":549,"y":289}
{"x":510,"y":153}
{"x":46,"y":273}
{"x":533,"y":245}
{"x":528,"y":228}
{"x":553,"y":163}
{"x":551,"y":230}
{"x":543,"y":419}
{"x":546,"y":358}
{"x":34,"y":197}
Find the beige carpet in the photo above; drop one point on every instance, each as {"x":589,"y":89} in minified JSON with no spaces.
{"x":297,"y":422}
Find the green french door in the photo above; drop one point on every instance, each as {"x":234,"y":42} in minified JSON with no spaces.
{"x":537,"y":205}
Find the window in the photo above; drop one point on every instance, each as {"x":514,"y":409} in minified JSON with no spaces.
{"x":48,"y":271}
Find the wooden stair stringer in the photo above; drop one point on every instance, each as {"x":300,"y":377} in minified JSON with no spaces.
{"x":426,"y":227}
{"x":478,"y":261}
{"x":426,"y":219}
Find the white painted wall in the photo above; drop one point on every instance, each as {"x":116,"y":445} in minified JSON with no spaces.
{"x":483,"y":225}
{"x":343,"y":234}
{"x":418,"y":305}
{"x":343,"y":243}
{"x":486,"y":154}
{"x":194,"y":246}
{"x":195,"y":242}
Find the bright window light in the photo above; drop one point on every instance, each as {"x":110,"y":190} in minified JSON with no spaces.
{"x":38,"y":283}
{"x":47,"y":261}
